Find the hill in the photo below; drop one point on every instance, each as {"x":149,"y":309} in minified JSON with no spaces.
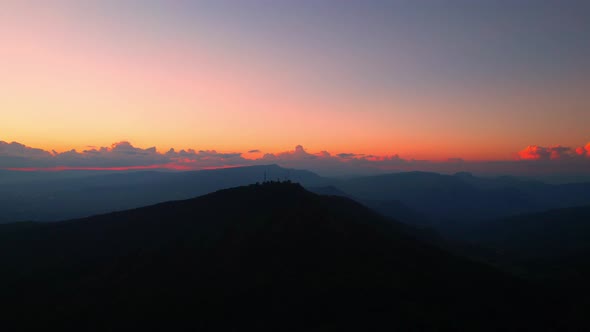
{"x":266,"y":257}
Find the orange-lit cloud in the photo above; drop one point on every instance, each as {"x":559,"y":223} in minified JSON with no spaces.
{"x":123,"y":156}
{"x":584,"y":150}
{"x":535,"y":152}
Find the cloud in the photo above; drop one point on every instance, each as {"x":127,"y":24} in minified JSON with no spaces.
{"x":254,"y":151}
{"x":123,"y":155}
{"x":324,"y":162}
{"x":120,"y":155}
{"x":559,"y":152}
{"x":298,"y":154}
{"x":205,"y":159}
{"x":583,"y":151}
{"x":535,"y":152}
{"x":18,"y":155}
{"x":15,"y":149}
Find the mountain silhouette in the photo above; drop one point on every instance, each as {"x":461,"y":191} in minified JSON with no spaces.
{"x":268,"y":257}
{"x":445,"y":202}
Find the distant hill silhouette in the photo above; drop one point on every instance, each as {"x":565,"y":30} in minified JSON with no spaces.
{"x":269,"y":257}
{"x":451,"y":201}
{"x":445,"y":202}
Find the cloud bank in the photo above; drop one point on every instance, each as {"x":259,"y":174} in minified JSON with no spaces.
{"x":532,"y":160}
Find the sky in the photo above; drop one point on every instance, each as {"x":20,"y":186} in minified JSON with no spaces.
{"x":428,"y":82}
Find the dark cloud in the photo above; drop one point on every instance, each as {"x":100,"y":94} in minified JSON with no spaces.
{"x":117,"y":155}
{"x":298,"y":154}
{"x":205,"y":158}
{"x":15,"y":149}
{"x":455,"y":160}
{"x":254,"y":151}
{"x":339,"y":164}
{"x":18,"y":155}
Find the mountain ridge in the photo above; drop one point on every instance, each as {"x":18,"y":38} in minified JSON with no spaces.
{"x":322,"y":260}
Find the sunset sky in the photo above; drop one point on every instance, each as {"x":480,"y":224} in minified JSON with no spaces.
{"x":427,"y":80}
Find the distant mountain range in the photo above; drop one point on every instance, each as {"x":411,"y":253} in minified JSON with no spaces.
{"x":267,"y":257}
{"x":445,"y":202}
{"x":463,"y":198}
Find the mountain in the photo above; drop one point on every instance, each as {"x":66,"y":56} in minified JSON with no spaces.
{"x":445,"y":202}
{"x":453,"y":201}
{"x":267,"y":257}
{"x":49,"y":197}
